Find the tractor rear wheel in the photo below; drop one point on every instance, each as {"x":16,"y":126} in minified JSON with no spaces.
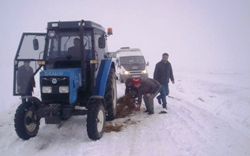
{"x":95,"y":120}
{"x":111,"y":95}
{"x":26,"y":121}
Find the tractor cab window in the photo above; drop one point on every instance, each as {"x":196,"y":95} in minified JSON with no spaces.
{"x":26,"y":50}
{"x":101,"y":50}
{"x":60,"y":45}
{"x":26,"y":62}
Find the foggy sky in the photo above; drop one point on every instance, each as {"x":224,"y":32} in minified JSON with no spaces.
{"x":196,"y":34}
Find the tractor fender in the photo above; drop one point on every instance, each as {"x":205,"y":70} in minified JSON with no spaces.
{"x":96,"y":97}
{"x":35,"y":101}
{"x":102,"y":77}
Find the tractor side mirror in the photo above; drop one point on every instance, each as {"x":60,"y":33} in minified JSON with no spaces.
{"x":101,"y":42}
{"x":35,"y":44}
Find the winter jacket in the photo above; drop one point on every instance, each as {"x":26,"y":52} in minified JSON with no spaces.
{"x":163,"y":72}
{"x":148,"y":85}
{"x":74,"y":52}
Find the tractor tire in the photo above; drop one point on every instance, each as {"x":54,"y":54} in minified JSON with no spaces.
{"x":111,"y":95}
{"x":95,"y":120}
{"x":26,"y":122}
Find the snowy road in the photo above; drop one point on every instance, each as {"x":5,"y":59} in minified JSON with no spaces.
{"x":186,"y":130}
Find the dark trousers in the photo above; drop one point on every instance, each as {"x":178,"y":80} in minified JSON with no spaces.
{"x":149,"y":101}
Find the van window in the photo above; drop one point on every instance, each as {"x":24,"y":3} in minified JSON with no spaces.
{"x":132,"y":60}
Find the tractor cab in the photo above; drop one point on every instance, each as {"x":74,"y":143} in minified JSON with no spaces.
{"x":66,"y":46}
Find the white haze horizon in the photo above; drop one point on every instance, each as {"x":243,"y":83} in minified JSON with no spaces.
{"x":208,"y":34}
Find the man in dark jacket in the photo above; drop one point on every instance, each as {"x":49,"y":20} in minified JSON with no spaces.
{"x":162,"y":73}
{"x":75,"y":50}
{"x":148,"y":88}
{"x":25,"y":80}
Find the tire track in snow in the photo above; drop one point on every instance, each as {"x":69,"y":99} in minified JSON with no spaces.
{"x":202,"y":132}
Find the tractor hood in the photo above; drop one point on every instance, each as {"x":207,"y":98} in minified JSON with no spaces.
{"x":70,"y":77}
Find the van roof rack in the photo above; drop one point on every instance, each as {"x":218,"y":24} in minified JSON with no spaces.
{"x":125,"y":47}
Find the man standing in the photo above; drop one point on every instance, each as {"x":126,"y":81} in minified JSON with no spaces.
{"x":162,"y":73}
{"x":148,"y":88}
{"x":25,"y":80}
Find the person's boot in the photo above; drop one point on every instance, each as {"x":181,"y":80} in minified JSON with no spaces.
{"x":150,"y":113}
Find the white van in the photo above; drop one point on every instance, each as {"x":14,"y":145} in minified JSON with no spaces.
{"x":130,"y":63}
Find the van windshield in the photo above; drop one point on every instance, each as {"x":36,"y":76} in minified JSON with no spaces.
{"x":132,"y":60}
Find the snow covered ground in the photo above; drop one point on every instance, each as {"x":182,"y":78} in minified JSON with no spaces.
{"x":208,"y":115}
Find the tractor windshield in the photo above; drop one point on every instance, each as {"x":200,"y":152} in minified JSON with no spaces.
{"x":64,"y":44}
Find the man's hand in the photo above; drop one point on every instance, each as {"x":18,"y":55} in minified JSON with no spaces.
{"x":148,"y":95}
{"x":138,"y":107}
{"x":131,"y":100}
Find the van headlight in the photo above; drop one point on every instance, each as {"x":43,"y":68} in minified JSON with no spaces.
{"x":126,"y":72}
{"x":63,"y":89}
{"x":46,"y":89}
{"x":144,"y":71}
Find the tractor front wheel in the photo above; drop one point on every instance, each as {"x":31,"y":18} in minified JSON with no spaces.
{"x":26,"y":121}
{"x":95,"y":120}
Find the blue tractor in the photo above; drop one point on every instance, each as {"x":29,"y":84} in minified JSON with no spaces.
{"x":76,"y":77}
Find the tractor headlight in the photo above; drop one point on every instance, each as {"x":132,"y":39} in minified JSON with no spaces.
{"x":63,"y":89}
{"x":46,"y":89}
{"x":144,"y":71}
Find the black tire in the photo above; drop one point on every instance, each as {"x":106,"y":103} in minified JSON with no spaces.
{"x":26,"y":122}
{"x":95,"y":120}
{"x":111,"y":95}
